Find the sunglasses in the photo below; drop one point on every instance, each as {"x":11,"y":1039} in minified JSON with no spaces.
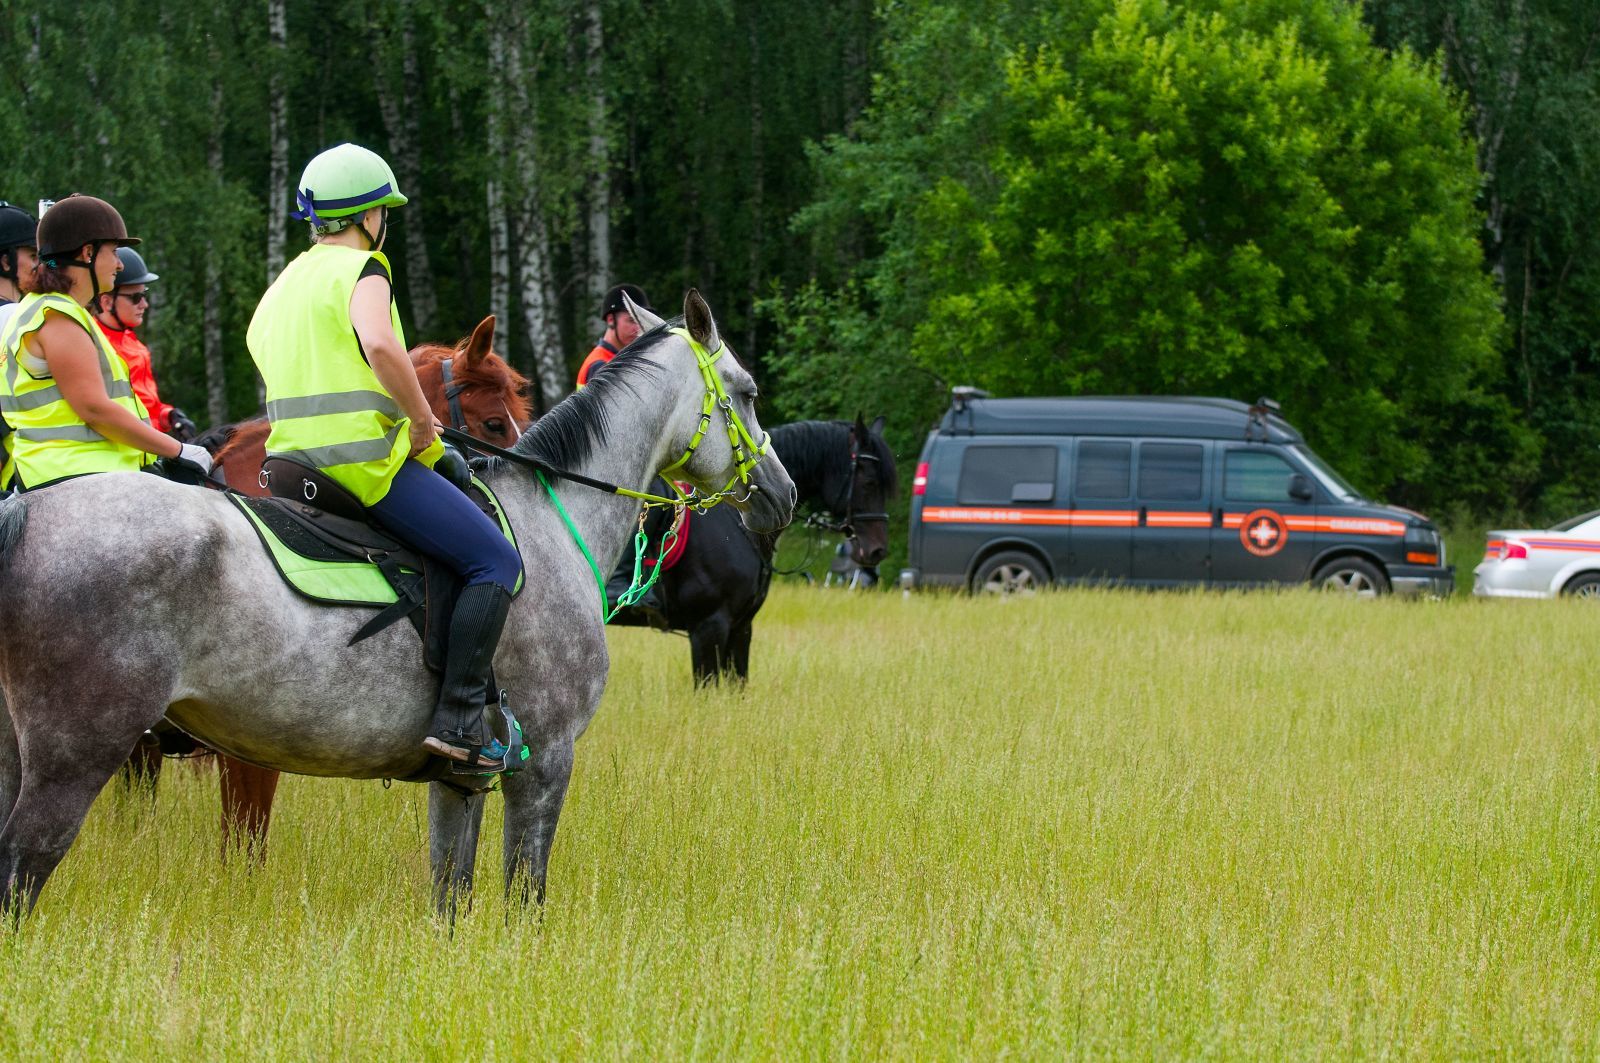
{"x":137,"y":297}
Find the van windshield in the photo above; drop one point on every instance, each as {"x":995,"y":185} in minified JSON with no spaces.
{"x":1331,"y":480}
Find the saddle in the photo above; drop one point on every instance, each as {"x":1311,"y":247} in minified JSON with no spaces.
{"x":321,"y":541}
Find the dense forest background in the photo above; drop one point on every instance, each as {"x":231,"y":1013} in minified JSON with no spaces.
{"x":1384,"y":216}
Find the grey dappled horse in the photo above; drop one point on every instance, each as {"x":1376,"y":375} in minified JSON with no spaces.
{"x":96,"y":645}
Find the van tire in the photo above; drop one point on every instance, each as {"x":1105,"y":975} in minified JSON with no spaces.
{"x":1355,"y":576}
{"x":1583,"y":585}
{"x":1010,"y":572}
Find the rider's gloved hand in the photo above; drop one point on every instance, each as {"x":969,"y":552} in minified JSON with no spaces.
{"x":194,"y":457}
{"x":183,"y":429}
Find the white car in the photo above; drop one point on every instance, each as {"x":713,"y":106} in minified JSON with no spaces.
{"x":1564,"y":559}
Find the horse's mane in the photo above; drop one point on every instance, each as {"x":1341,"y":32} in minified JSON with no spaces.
{"x":13,"y":516}
{"x":813,"y":449}
{"x":566,"y":436}
{"x":492,"y":373}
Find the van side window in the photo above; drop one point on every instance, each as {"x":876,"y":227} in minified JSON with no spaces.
{"x":1170,"y":472}
{"x":1255,"y":476}
{"x":1003,"y":475}
{"x":1104,"y":469}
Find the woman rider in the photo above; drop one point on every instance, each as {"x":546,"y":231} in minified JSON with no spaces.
{"x":63,"y":389}
{"x":342,"y":396}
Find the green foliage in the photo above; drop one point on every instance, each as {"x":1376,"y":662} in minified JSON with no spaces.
{"x":1206,"y":198}
{"x":1531,"y":70}
{"x":708,"y":106}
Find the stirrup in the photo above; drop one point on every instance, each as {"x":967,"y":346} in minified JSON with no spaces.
{"x":491,"y":759}
{"x":518,"y":754}
{"x":469,"y":760}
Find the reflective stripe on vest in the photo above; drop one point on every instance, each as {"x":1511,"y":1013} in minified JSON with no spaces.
{"x":327,"y":407}
{"x":50,"y":441}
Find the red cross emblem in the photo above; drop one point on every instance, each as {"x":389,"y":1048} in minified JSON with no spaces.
{"x":1263,"y":533}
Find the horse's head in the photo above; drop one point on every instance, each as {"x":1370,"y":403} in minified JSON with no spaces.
{"x":473,"y":389}
{"x":865,"y":487}
{"x":714,"y":439}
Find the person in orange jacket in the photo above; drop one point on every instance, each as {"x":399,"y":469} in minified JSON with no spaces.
{"x":621,"y":328}
{"x":118,"y":313}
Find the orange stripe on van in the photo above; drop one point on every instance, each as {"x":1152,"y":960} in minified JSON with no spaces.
{"x":1060,"y":517}
{"x":1346,"y":525}
{"x":1173,"y":519}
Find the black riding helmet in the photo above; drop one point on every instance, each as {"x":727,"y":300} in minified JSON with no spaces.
{"x":133,"y":270}
{"x":613,"y":304}
{"x":17,"y":229}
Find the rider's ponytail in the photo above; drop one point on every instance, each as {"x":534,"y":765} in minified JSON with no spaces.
{"x":46,"y":277}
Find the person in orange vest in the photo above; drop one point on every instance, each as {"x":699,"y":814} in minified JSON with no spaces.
{"x":120,"y":311}
{"x":621,"y":328}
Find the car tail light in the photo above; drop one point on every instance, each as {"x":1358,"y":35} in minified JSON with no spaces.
{"x":1417,"y":557}
{"x":1515,"y":551}
{"x":919,"y":482}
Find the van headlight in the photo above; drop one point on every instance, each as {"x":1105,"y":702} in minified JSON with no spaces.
{"x":1424,"y":546}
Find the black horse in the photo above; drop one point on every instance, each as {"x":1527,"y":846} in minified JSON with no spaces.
{"x":843,"y":474}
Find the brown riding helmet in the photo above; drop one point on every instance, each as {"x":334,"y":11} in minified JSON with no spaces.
{"x":79,"y":220}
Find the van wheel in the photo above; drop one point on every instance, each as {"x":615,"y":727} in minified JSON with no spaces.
{"x":1585,"y":585}
{"x":1352,"y":576}
{"x":1010,"y":572}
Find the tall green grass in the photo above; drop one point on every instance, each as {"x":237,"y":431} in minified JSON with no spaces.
{"x":1086,"y":824}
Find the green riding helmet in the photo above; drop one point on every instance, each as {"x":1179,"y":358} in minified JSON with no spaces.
{"x":344,"y":181}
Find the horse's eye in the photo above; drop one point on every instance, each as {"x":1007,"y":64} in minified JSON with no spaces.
{"x":495,"y":425}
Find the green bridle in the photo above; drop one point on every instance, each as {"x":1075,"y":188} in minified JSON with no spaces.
{"x":747,"y":453}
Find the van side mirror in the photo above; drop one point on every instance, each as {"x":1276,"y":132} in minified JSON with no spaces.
{"x":1300,"y":488}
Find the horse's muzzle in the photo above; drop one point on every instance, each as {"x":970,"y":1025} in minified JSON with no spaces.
{"x":768,"y":506}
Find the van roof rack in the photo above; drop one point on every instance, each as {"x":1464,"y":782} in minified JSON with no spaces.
{"x":961,"y":394}
{"x":1255,"y":428}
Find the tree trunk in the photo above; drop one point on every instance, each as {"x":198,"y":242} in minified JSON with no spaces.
{"x":466,"y":250}
{"x":758,"y":181}
{"x":211,"y":308}
{"x":399,"y":114}
{"x":599,"y":163}
{"x":499,"y":224}
{"x":535,"y":289}
{"x":278,"y":134}
{"x":278,"y":152}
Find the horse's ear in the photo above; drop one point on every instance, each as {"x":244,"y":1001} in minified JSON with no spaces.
{"x":481,"y":343}
{"x":698,"y":320}
{"x":877,"y":425}
{"x":647,"y":319}
{"x":858,"y":431}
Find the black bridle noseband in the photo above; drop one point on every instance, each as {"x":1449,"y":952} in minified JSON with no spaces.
{"x":847,"y":501}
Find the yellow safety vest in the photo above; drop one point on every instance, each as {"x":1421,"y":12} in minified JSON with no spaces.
{"x":49,"y":441}
{"x":325,"y":403}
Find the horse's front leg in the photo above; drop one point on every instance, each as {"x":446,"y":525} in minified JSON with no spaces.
{"x":453,"y":821}
{"x":708,"y":648}
{"x":534,"y":797}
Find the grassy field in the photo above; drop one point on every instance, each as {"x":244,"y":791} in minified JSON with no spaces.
{"x":1085,"y":824}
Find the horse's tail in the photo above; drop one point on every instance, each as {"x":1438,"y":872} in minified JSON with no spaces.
{"x":13,"y":517}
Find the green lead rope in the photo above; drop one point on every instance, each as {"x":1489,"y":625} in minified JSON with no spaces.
{"x":641,"y":543}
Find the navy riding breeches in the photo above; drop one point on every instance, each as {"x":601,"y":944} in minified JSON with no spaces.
{"x":428,"y":513}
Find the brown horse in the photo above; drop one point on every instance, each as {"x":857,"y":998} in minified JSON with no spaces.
{"x":484,"y":397}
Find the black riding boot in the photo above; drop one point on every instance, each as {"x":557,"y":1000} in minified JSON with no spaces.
{"x":458,"y":731}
